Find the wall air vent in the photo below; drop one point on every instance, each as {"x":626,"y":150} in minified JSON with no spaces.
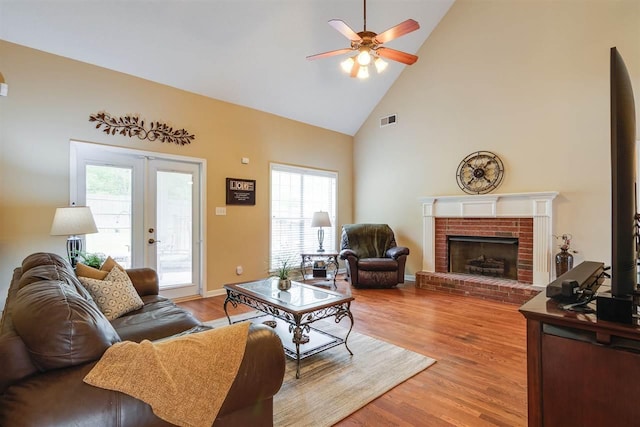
{"x":389,"y":120}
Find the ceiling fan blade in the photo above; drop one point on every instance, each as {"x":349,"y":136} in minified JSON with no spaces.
{"x":399,"y":30}
{"x":330,"y":53}
{"x":345,"y":30}
{"x":396,"y":55}
{"x":354,"y":69}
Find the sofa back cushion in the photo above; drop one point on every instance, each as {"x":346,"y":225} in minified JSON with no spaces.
{"x":44,"y":258}
{"x":46,"y":266}
{"x":367,"y":240}
{"x":60,"y":327}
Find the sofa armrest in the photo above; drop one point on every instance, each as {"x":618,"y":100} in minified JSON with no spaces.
{"x":60,"y":397}
{"x":397,"y":251}
{"x":346,"y":253}
{"x":261,"y":372}
{"x":145,"y":280}
{"x":15,"y":361}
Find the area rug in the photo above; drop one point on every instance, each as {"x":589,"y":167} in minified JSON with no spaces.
{"x":334,"y":384}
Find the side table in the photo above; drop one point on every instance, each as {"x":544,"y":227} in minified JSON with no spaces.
{"x":330,"y":258}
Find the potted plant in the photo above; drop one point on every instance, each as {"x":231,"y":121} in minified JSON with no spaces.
{"x":94,"y":260}
{"x":282,"y":273}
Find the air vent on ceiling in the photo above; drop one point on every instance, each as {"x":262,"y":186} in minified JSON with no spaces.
{"x":389,"y":120}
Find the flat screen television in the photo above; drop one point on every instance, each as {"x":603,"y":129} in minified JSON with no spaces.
{"x":623,"y":180}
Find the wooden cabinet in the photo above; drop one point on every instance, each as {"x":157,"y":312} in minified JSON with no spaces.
{"x":580,"y":371}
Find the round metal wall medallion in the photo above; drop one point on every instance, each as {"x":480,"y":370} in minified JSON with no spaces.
{"x":480,"y":172}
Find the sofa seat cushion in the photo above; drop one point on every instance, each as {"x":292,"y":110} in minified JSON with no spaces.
{"x":158,"y":318}
{"x":378,"y":264}
{"x":115,"y":295}
{"x":59,"y":327}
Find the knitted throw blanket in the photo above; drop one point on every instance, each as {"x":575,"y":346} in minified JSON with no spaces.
{"x":185,"y":380}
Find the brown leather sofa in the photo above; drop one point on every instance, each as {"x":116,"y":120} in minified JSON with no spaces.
{"x":52,"y":334}
{"x":372,"y":257}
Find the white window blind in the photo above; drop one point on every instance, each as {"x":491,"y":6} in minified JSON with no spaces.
{"x":296,"y":193}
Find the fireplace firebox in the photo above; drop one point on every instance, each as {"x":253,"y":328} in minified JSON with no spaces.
{"x":483,"y":256}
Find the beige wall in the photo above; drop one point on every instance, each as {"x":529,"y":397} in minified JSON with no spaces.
{"x":528,"y":80}
{"x":50,"y":99}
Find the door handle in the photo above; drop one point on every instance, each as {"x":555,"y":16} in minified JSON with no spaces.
{"x":152,"y":241}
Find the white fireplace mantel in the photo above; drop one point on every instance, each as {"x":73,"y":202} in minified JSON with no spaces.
{"x":538,"y":206}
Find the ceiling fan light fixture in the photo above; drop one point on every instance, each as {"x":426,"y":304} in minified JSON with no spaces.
{"x":363,"y":72}
{"x":364,"y":57}
{"x":380,"y":64}
{"x":347,"y":65}
{"x":367,"y":47}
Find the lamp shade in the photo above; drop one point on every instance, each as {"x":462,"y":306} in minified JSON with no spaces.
{"x":72,"y":221}
{"x":321,"y":219}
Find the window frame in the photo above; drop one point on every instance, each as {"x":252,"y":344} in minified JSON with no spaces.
{"x":308,"y":234}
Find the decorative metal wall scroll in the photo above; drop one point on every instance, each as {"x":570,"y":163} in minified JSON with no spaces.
{"x":132,"y":126}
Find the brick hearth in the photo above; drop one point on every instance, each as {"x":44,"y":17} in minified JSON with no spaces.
{"x":503,"y":290}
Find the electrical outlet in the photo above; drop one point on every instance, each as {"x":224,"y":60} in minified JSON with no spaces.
{"x":239,"y":270}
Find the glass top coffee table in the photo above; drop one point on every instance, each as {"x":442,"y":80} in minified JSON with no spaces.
{"x":292,"y":312}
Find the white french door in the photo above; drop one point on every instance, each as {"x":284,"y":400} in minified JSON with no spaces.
{"x":171,"y":235}
{"x":147,"y":209}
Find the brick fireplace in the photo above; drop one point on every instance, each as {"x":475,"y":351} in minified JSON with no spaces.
{"x":525,"y":218}
{"x":519,"y":228}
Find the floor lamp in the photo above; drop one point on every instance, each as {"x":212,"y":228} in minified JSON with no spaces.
{"x":320,"y":219}
{"x":73,"y":221}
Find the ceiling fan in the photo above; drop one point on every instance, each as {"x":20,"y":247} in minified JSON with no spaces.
{"x":369,"y":46}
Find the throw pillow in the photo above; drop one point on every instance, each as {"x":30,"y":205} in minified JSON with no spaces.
{"x":109,"y":263}
{"x":115,"y":295}
{"x":83,"y":270}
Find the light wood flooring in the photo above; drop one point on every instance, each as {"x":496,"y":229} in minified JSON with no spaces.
{"x":480,"y":347}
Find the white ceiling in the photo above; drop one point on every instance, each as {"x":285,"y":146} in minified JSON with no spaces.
{"x":247,"y":52}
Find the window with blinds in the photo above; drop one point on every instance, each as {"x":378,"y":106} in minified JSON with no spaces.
{"x":296,"y":193}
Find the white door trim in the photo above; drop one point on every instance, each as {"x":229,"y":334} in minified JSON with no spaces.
{"x":76,"y":147}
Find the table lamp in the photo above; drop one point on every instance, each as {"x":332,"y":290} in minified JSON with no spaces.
{"x":73,"y":221}
{"x":320,"y":219}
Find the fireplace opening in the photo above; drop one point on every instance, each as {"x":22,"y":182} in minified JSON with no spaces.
{"x":484,"y":256}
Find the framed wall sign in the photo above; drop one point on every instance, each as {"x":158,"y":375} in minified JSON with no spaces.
{"x":241,"y":191}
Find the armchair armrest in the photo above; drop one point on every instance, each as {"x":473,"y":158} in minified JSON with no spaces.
{"x":145,"y":280}
{"x":397,"y":251}
{"x":346,"y":253}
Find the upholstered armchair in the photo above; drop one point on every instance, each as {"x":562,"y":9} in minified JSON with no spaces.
{"x":372,"y":257}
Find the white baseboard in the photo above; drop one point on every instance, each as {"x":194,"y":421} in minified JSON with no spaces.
{"x":215,"y":293}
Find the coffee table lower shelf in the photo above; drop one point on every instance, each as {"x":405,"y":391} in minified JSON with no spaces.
{"x":318,"y":340}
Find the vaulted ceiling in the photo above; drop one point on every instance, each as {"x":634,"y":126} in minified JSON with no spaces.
{"x":247,"y":52}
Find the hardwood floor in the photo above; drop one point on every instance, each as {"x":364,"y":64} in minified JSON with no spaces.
{"x":480,"y":347}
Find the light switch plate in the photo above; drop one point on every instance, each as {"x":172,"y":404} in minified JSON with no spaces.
{"x":221,"y":211}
